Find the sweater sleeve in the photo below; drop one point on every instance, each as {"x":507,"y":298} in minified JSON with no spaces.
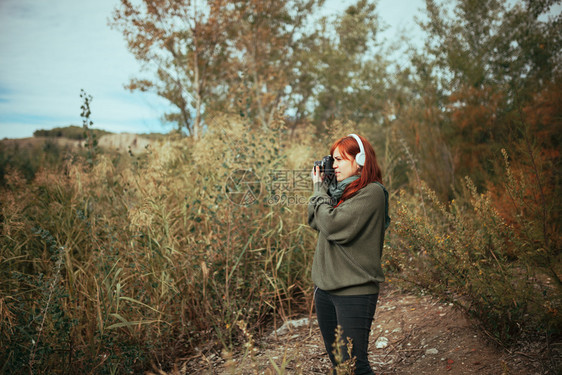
{"x":342,"y":224}
{"x":320,"y":196}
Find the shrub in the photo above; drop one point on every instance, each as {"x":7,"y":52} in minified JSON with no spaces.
{"x":465,"y":252}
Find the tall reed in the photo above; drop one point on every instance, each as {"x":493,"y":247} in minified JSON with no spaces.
{"x":158,"y":258}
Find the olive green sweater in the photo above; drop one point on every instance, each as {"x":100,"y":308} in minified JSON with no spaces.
{"x":347,"y":260}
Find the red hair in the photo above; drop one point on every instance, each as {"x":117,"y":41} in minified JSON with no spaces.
{"x":370,"y":172}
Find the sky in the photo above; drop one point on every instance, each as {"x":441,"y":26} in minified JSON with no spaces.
{"x":50,"y":50}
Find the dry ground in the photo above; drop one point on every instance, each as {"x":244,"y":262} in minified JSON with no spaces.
{"x":424,"y":336}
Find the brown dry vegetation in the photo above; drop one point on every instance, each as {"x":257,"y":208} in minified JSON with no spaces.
{"x":124,"y":262}
{"x":134,"y":262}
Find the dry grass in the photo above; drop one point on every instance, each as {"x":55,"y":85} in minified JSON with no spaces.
{"x":132,"y":261}
{"x":156,"y":257}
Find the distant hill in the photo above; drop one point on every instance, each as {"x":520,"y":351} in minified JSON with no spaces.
{"x":77,"y":133}
{"x":68,"y":132}
{"x":51,"y":147}
{"x":73,"y":136}
{"x":124,"y":142}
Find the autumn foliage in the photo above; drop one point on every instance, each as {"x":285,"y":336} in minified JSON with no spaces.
{"x":119,"y":263}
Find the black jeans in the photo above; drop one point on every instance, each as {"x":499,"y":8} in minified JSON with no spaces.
{"x":354,"y":314}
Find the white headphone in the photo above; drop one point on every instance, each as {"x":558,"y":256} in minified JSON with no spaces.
{"x":360,"y":157}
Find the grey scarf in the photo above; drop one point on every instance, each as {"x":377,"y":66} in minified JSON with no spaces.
{"x":336,"y":190}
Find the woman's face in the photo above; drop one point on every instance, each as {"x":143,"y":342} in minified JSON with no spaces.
{"x":344,"y":167}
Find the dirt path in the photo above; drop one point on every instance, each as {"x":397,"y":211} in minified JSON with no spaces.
{"x":414,"y":335}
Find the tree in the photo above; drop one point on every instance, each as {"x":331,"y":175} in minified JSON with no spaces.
{"x":187,"y":46}
{"x":348,"y":67}
{"x":265,"y":42}
{"x":487,"y":61}
{"x":230,"y":55}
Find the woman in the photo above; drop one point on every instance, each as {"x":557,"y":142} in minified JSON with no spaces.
{"x":351,"y":218}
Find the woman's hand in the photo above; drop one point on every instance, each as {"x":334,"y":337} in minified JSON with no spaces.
{"x":316,"y":176}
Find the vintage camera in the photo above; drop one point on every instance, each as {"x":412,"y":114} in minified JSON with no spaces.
{"x":326,"y":168}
